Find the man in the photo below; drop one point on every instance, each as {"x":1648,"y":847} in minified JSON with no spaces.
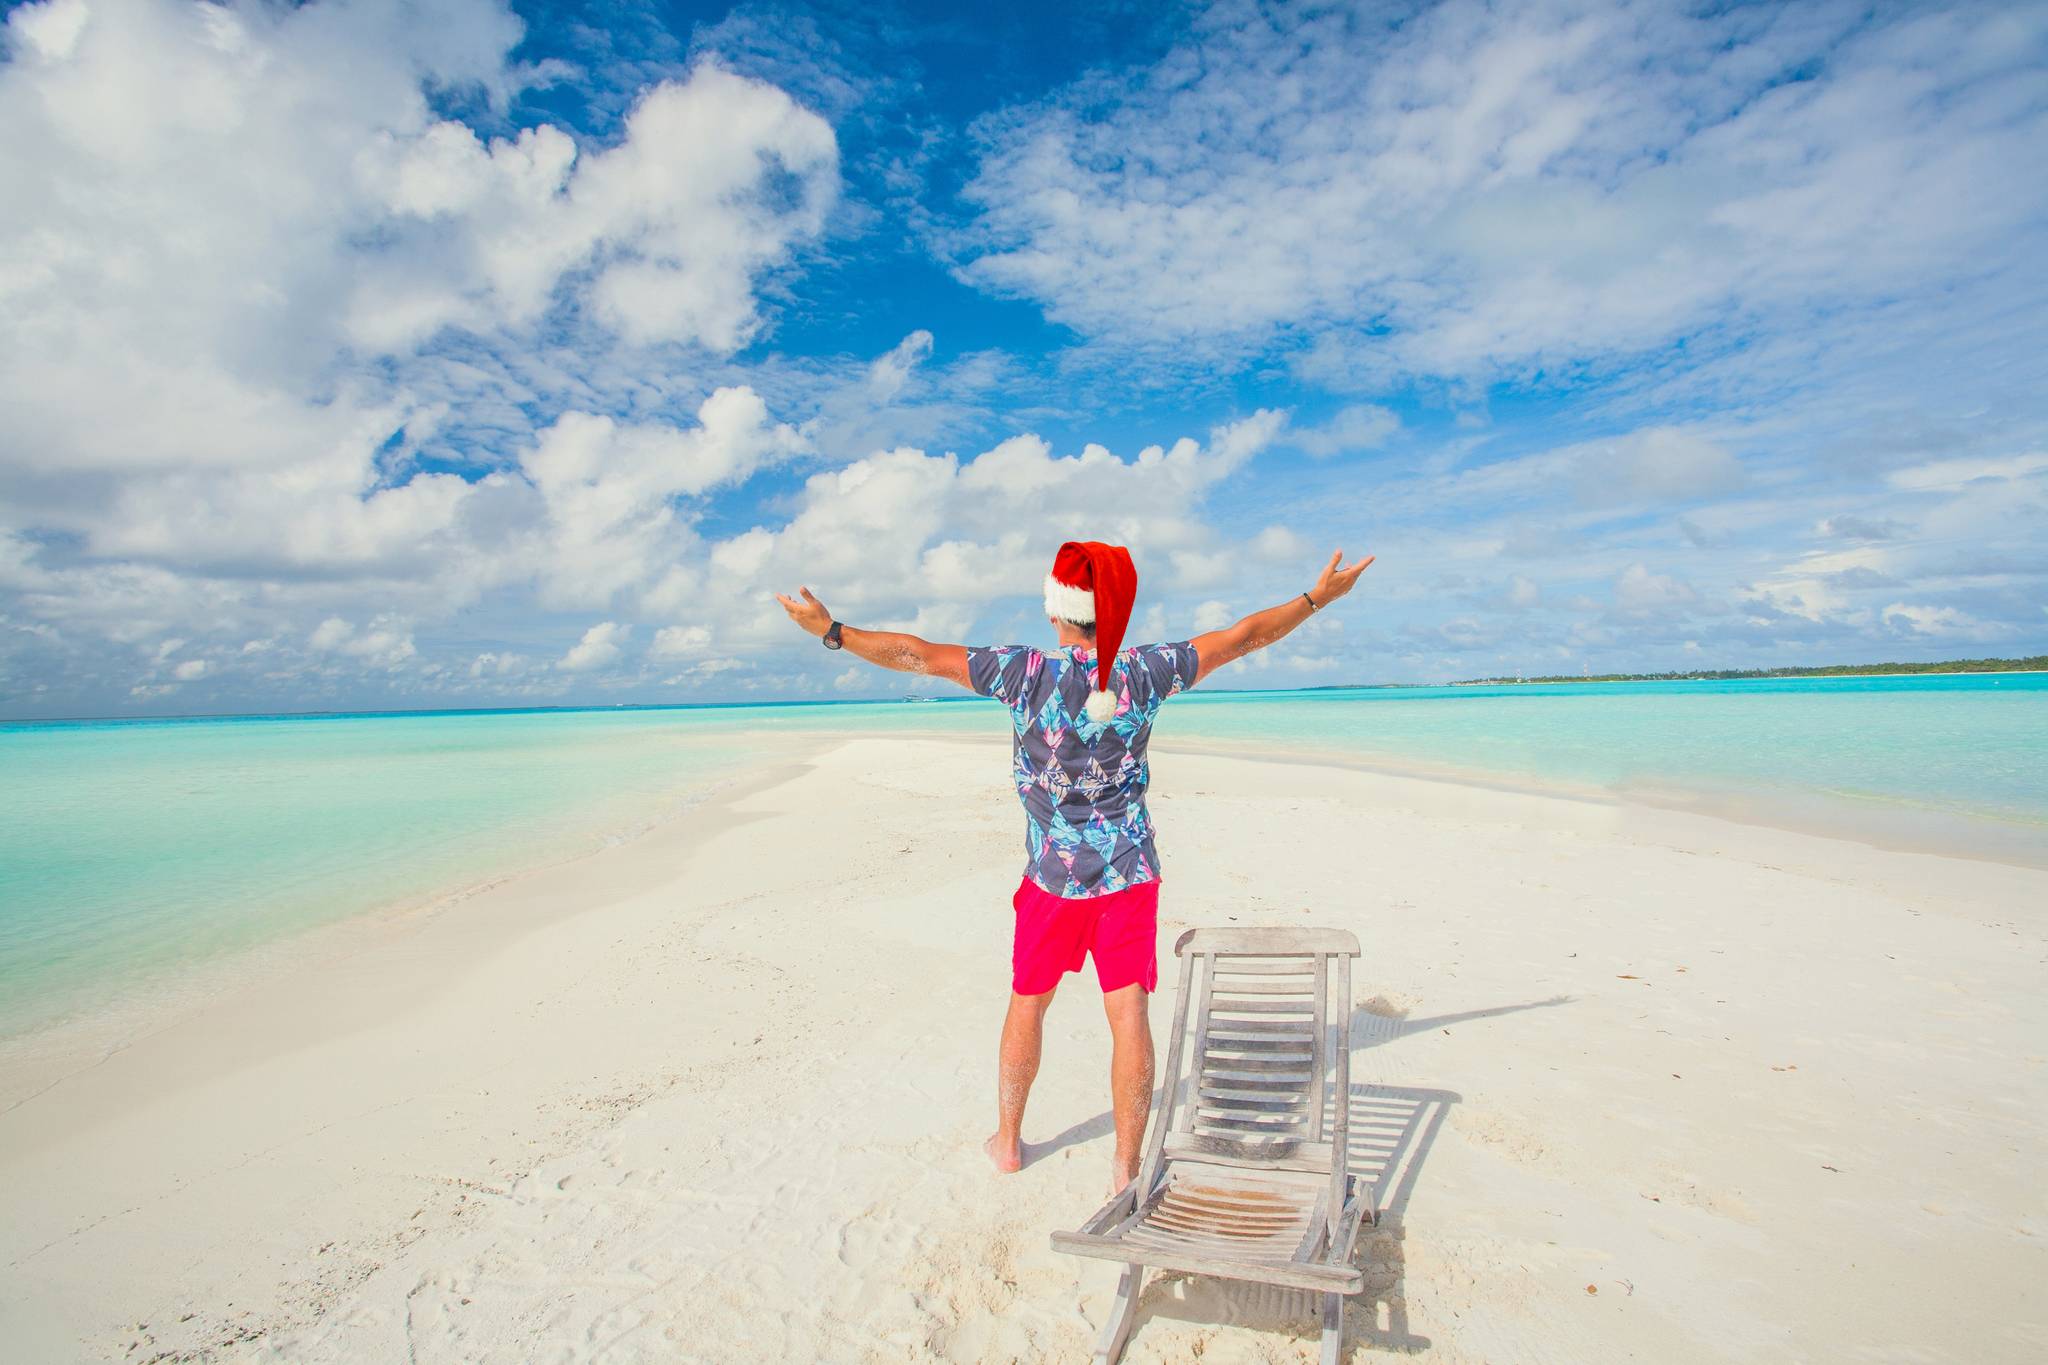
{"x":1082,"y":715}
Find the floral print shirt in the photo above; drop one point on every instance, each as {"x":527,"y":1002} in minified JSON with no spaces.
{"x":1082,"y":782}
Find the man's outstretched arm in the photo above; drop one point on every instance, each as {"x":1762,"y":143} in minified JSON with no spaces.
{"x":904,"y":653}
{"x":1262,"y":628}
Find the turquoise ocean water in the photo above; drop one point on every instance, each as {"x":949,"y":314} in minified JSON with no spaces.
{"x":131,"y":850}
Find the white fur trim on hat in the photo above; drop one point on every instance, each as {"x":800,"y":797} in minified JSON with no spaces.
{"x":1069,"y":603}
{"x":1101,"y":707}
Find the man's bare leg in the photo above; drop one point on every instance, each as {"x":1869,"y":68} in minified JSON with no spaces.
{"x":1130,"y":1077}
{"x":1016,"y":1069}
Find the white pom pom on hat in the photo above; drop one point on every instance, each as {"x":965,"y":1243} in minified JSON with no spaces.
{"x":1095,"y":583}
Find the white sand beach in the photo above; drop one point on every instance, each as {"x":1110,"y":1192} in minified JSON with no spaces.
{"x":1682,"y":1089}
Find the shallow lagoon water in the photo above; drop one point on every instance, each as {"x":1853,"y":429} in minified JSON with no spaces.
{"x":130,"y":850}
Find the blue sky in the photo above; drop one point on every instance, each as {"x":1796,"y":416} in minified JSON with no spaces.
{"x":362,"y":354}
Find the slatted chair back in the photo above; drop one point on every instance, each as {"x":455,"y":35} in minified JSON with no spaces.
{"x":1256,"y":1074}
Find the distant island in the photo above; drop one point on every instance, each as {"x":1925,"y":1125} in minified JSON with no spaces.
{"x":2037,"y":663}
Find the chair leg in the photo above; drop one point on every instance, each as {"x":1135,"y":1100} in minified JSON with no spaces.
{"x":1109,"y":1348}
{"x":1333,"y":1329}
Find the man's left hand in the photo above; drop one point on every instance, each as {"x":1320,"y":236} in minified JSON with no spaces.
{"x":810,"y":613}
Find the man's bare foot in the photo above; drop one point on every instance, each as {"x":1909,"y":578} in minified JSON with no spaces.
{"x":1008,"y":1157}
{"x":1121,"y":1173}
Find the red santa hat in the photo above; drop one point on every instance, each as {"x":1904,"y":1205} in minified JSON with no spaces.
{"x":1093,"y":583}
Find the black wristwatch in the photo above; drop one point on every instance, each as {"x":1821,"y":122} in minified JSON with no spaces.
{"x":830,"y":639}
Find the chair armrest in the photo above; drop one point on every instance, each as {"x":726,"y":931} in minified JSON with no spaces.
{"x":1344,"y":1236}
{"x":1120,"y":1206}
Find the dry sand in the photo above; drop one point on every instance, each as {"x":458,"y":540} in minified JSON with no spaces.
{"x":1685,"y":1089}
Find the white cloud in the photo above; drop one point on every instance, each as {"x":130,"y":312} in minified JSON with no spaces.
{"x":1212,"y":615}
{"x":1656,"y":464}
{"x":1938,"y":622}
{"x":1638,"y":589}
{"x":330,"y":633}
{"x":1499,"y":189}
{"x":608,"y":489}
{"x":288,"y":357}
{"x":926,"y":541}
{"x":598,"y":647}
{"x":1951,"y":475}
{"x":1281,"y":545}
{"x":228,"y":231}
{"x":672,"y":225}
{"x":889,"y":373}
{"x":1848,"y":527}
{"x":190,"y":671}
{"x":386,"y":641}
{"x":1358,"y":427}
{"x":51,"y":30}
{"x":679,"y":642}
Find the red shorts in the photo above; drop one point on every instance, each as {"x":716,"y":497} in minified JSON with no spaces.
{"x":1054,"y":933}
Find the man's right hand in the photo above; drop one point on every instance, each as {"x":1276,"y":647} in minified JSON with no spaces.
{"x":1262,"y":628}
{"x":1334,"y":582}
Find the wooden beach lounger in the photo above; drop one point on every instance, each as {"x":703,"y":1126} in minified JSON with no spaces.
{"x":1244,"y":1173}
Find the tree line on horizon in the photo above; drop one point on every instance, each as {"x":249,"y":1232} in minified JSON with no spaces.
{"x":2035,"y":663}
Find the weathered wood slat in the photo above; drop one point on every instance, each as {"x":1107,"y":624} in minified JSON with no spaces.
{"x":1223,"y":1005}
{"x":1226,"y":1222}
{"x":1207,"y":969}
{"x":1273,"y":1205}
{"x":1322,"y":1057}
{"x":1248,"y":1145}
{"x":1257,"y":1200}
{"x":1250,"y":1135}
{"x":1279,"y":1110}
{"x":1254,"y":1105}
{"x":1295,"y":1102}
{"x":1303,"y":1156}
{"x":1249,"y":1141}
{"x":1251,"y":1130}
{"x":1270,"y":1101}
{"x":1288,"y":1151}
{"x":1255,"y":1068}
{"x":1223,"y":1226}
{"x":1261,"y":1117}
{"x":1267,"y":986}
{"x":1302,"y":1029}
{"x":1213,"y":1045}
{"x":1253,"y":1125}
{"x":1278,"y":1240}
{"x":1199,"y":968}
{"x":1197,"y":1170}
{"x":1340,"y":1086}
{"x":1268,"y":942}
{"x":1277,"y":1252}
{"x":1247,"y":1056}
{"x":1252,"y":966}
{"x":1295,"y":1084}
{"x":1263,"y":1251}
{"x":1313,"y":1276}
{"x":1263,"y":1044}
{"x":1118,"y":1208}
{"x":1235,"y":1228}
